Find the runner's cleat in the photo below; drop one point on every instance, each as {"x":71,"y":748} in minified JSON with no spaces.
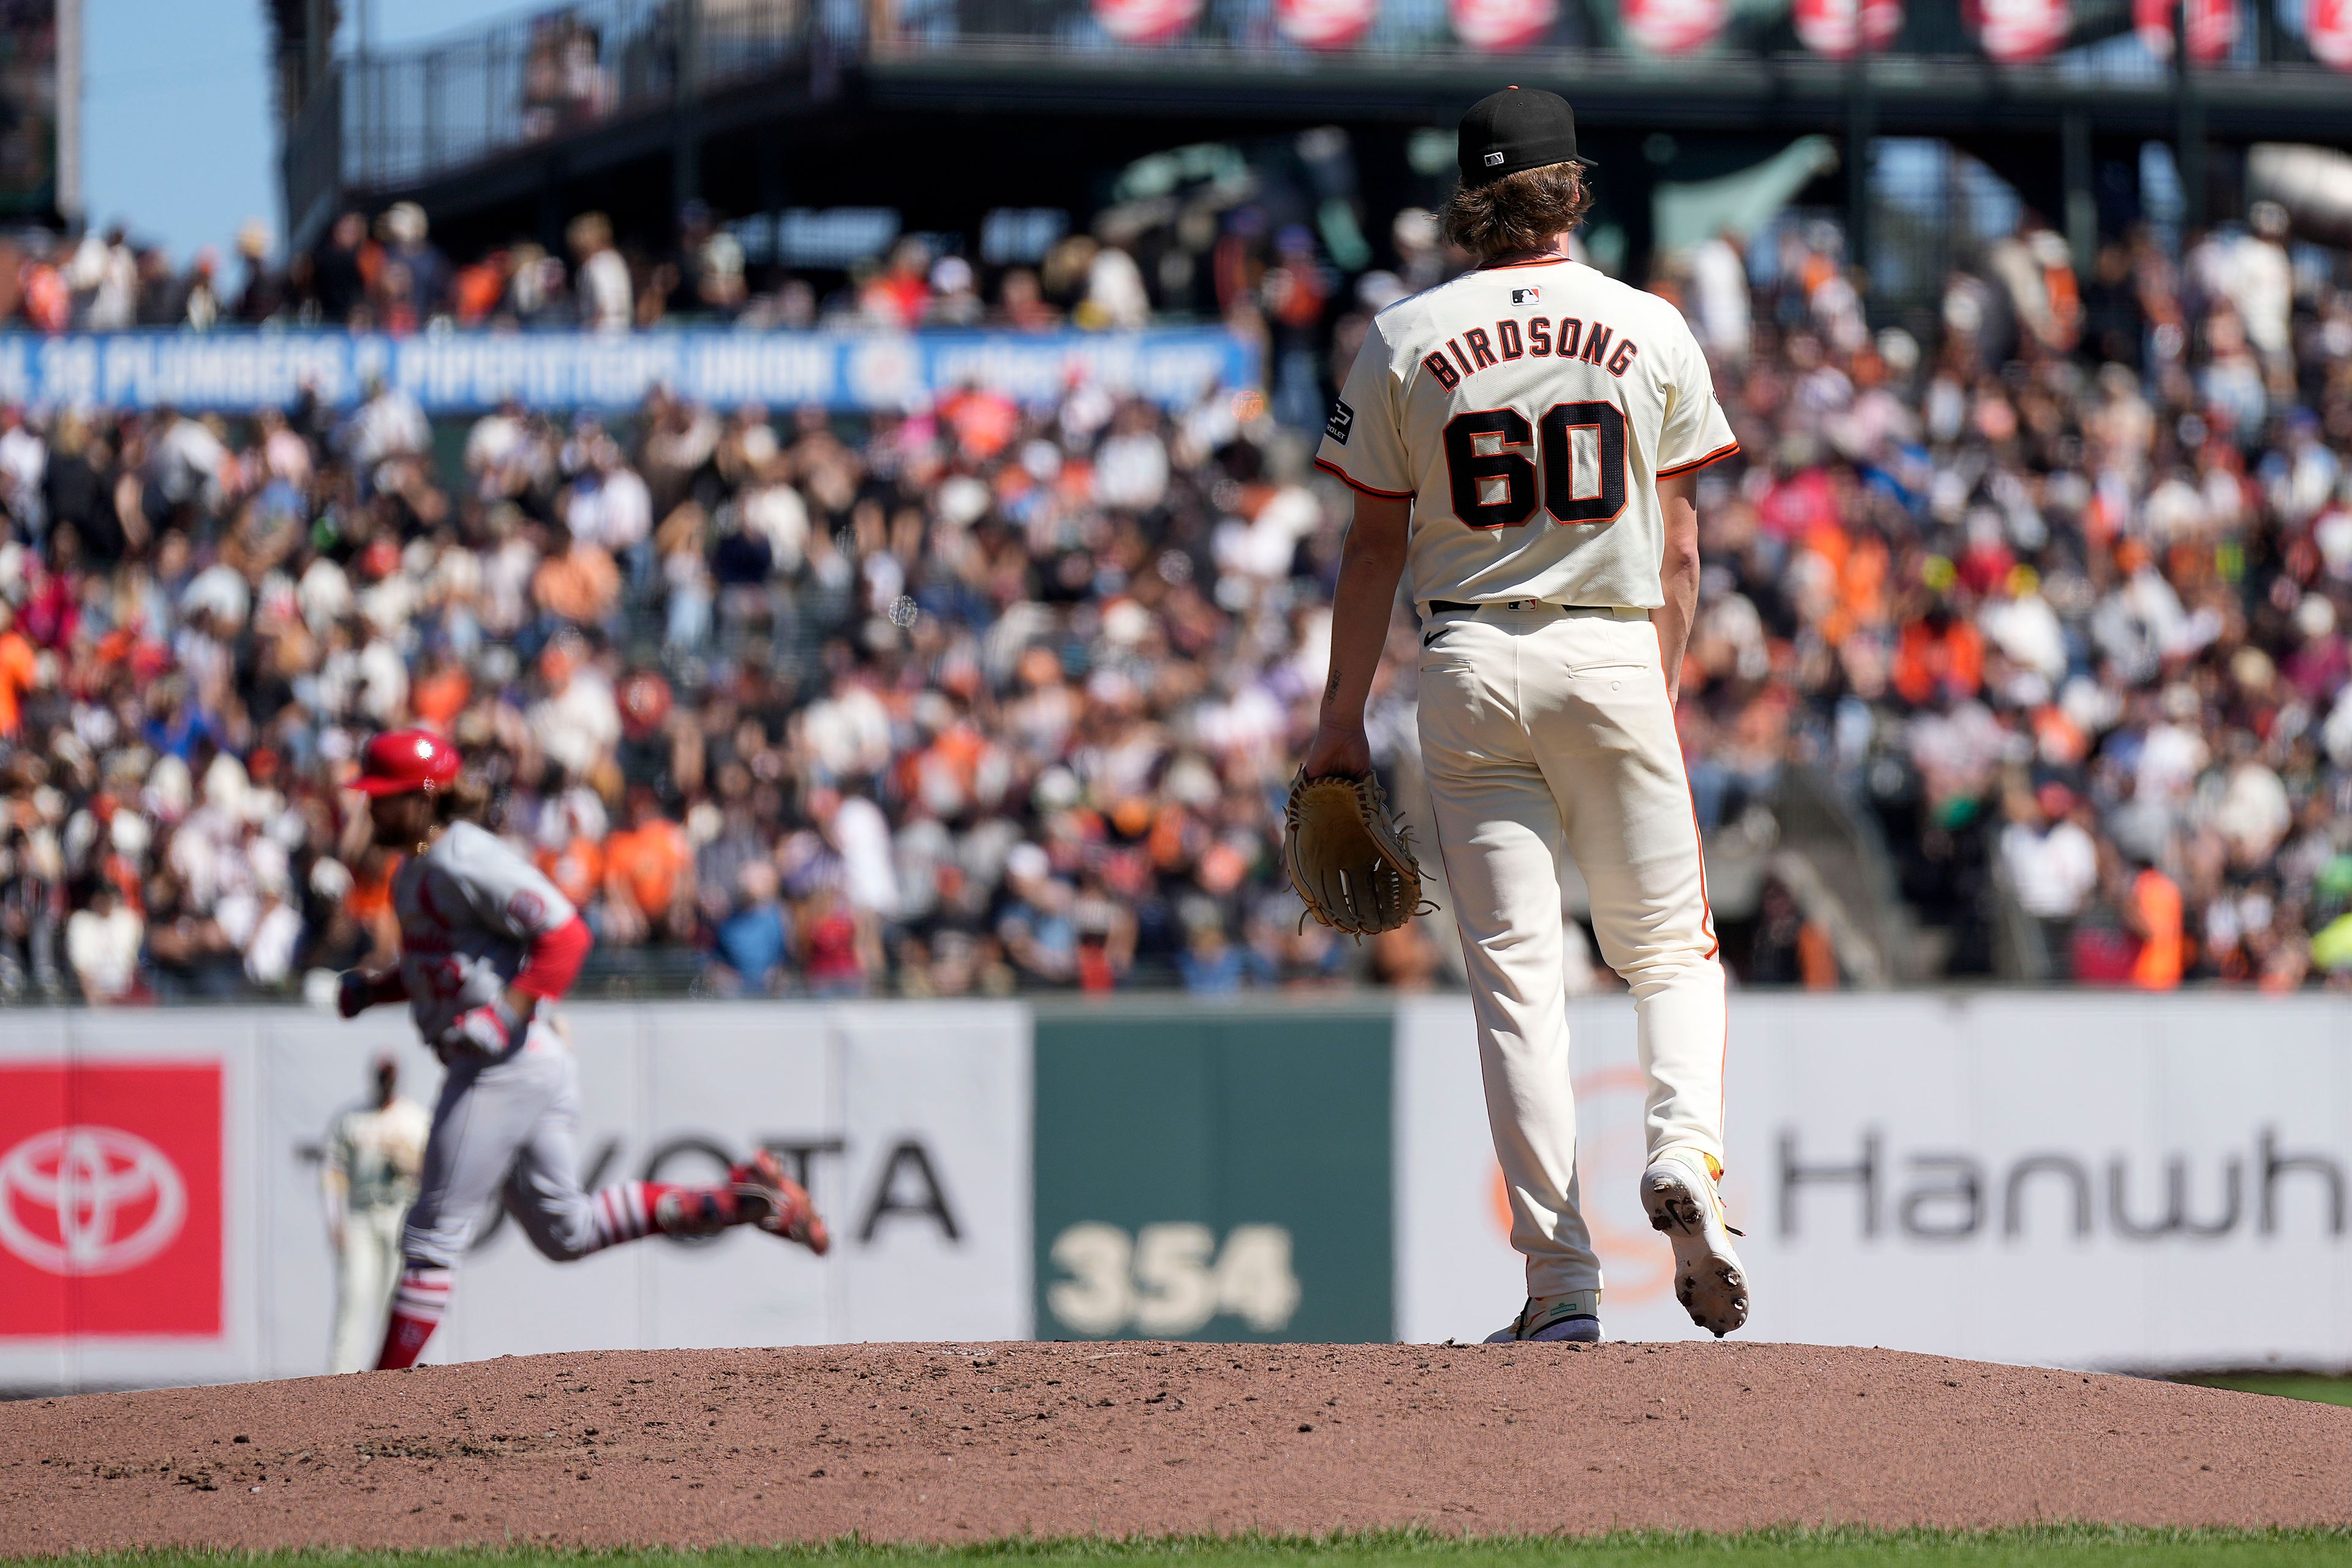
{"x":776,"y":1204}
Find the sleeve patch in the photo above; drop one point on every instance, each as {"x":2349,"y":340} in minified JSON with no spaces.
{"x":1342,"y":421}
{"x":527,"y":910}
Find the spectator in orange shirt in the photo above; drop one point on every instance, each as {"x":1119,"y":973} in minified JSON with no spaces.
{"x":896,"y":297}
{"x":2152,"y":914}
{"x":49,"y":299}
{"x":480,"y":288}
{"x":369,"y":903}
{"x":648,"y":875}
{"x":577,"y":869}
{"x":1941,"y":654}
{"x":984,"y":422}
{"x":441,"y":693}
{"x":19,"y":669}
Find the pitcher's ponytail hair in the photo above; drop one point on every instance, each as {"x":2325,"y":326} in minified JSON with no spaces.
{"x":1522,"y":211}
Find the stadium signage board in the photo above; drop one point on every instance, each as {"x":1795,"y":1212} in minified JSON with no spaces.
{"x":1214,"y":1176}
{"x":110,"y":1199}
{"x":2090,"y":1178}
{"x":910,"y":1125}
{"x":469,"y":372}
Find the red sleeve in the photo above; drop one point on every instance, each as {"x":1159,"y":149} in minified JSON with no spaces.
{"x":554,"y":960}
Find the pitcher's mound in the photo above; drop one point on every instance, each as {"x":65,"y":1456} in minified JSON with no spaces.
{"x":967,"y":1441}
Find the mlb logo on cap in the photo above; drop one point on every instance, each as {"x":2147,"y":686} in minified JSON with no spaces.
{"x":1493,"y":159}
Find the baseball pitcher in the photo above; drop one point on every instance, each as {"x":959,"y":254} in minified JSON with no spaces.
{"x":1524,"y":440}
{"x":484,"y":940}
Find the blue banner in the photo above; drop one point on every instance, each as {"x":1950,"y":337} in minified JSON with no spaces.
{"x":467,"y":371}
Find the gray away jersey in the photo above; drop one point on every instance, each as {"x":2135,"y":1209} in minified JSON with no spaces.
{"x":1528,"y":411}
{"x":470,"y":909}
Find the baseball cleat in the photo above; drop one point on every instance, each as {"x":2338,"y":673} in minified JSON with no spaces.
{"x":777,"y":1203}
{"x":1679,"y":1194}
{"x":1573,"y":1318}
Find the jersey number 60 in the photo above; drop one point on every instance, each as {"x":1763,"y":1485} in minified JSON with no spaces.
{"x":1493,"y":482}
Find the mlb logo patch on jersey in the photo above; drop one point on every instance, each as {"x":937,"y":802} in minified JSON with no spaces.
{"x":1342,"y":420}
{"x":1526,"y":295}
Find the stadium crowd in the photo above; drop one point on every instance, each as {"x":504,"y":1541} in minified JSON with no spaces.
{"x":389,"y":276}
{"x":2061,"y":592}
{"x":990,"y":697}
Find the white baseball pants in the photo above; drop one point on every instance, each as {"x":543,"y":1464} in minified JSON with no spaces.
{"x":1545,"y":731}
{"x":367,"y":1270}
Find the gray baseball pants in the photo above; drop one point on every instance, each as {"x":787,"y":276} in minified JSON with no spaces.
{"x":511,"y":1123}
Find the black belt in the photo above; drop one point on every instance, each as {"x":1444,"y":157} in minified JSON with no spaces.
{"x":1457,"y":607}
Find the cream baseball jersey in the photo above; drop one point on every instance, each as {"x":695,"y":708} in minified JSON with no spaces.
{"x":1528,"y":411}
{"x":379,"y":1153}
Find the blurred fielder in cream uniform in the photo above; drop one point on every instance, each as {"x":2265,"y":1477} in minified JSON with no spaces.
{"x":375,"y":1153}
{"x":1524,"y":442}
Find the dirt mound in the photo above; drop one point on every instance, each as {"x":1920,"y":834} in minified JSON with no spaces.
{"x":966,"y":1442}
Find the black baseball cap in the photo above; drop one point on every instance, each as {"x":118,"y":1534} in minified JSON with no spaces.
{"x":1518,"y":127}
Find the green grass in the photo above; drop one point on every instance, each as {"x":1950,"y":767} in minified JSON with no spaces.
{"x":2074,"y":1546}
{"x":2285,"y":1384}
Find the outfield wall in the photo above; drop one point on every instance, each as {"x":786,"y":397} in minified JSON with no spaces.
{"x":2082,"y":1178}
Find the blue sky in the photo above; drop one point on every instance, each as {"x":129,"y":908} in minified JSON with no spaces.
{"x":177,"y":138}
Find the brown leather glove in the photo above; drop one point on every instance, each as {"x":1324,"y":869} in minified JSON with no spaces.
{"x":1347,"y":857}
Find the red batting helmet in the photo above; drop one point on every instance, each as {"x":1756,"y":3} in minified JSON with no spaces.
{"x":401,"y":761}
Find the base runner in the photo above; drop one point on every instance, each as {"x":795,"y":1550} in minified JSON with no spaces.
{"x":1525,"y":440}
{"x":484,"y":940}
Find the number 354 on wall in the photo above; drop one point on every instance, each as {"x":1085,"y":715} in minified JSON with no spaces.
{"x":1168,"y":1280}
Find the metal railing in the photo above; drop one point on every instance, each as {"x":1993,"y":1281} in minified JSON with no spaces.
{"x":384,"y":122}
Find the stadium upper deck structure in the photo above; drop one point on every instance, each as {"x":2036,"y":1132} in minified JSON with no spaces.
{"x":947,"y":109}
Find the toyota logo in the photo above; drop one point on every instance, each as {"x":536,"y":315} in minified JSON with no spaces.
{"x":116,"y":1200}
